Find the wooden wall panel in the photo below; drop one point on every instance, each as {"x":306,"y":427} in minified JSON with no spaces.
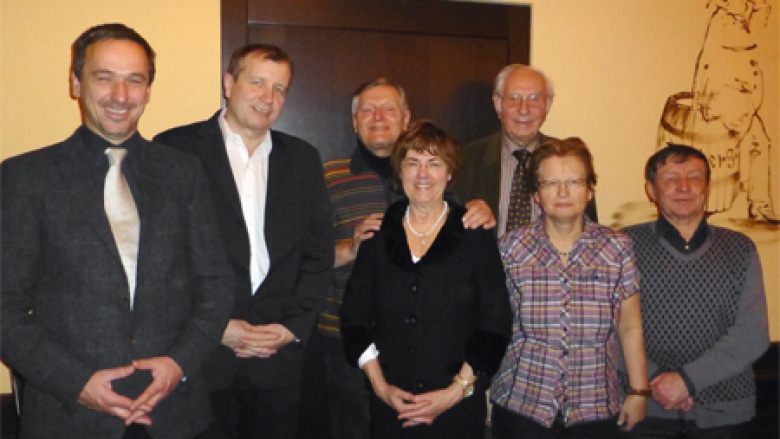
{"x":445,"y":54}
{"x":407,"y":16}
{"x":441,"y":80}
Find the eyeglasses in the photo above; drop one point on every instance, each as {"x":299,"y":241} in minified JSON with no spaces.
{"x":533,"y":100}
{"x":554,"y":185}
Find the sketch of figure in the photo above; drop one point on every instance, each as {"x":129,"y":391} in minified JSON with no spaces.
{"x":720,"y":116}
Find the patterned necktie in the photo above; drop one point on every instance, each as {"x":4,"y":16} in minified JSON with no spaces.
{"x":122,"y":216}
{"x":520,"y":196}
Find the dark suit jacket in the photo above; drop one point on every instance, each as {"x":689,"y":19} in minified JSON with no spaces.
{"x":65,"y":295}
{"x":300,"y":241}
{"x":481,"y":177}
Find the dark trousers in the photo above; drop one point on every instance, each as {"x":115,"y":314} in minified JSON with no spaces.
{"x":657,"y":428}
{"x":510,"y":425}
{"x":348,"y":393}
{"x":334,"y":394}
{"x":138,"y":431}
{"x":242,"y":411}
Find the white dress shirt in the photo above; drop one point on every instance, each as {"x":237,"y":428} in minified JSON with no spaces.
{"x":251,"y":175}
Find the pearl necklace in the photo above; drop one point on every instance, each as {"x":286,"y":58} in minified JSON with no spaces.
{"x":424,"y":235}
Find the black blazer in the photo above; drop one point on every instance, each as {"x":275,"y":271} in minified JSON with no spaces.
{"x":65,"y":308}
{"x":428,"y":318}
{"x":300,"y":240}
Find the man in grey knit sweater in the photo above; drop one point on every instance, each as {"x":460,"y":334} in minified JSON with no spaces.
{"x":703,"y":307}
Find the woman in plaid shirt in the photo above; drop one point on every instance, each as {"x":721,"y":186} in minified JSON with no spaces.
{"x":573,"y":287}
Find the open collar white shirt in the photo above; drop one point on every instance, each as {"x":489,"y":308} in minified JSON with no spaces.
{"x":251,"y":176}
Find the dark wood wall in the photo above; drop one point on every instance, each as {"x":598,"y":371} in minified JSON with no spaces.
{"x":444,"y":54}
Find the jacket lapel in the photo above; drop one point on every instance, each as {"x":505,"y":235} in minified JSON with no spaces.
{"x":491,"y":169}
{"x":446,"y":242}
{"x":215,"y":160}
{"x":151,"y":188}
{"x":86,"y":188}
{"x":276,"y":198}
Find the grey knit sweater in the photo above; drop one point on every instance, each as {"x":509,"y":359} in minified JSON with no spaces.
{"x":705,"y":315}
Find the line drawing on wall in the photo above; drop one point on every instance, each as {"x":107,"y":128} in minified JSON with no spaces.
{"x":721,"y":114}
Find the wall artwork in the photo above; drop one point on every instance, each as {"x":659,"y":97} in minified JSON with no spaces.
{"x":721,"y":114}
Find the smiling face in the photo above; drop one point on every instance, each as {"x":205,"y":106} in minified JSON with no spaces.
{"x":523,"y":105}
{"x":424,"y":178}
{"x":113,"y":89}
{"x":380,"y":118}
{"x":680,"y":190}
{"x":255,"y":98}
{"x":563,"y":190}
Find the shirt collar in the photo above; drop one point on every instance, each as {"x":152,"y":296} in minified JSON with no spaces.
{"x":665,"y":230}
{"x":587,"y":237}
{"x":508,"y":146}
{"x":511,"y":146}
{"x":97,"y":145}
{"x":233,"y":139}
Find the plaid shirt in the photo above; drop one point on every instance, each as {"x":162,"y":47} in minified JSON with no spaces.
{"x":564,"y":350}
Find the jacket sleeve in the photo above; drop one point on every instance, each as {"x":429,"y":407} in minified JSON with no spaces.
{"x":486,"y":346}
{"x":211,"y":295}
{"x":357,"y":310}
{"x":26,"y":346}
{"x":316,"y":261}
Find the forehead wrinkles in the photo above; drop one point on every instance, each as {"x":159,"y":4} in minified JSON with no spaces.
{"x":379,"y":101}
{"x":116,"y":56}
{"x":256,"y":66}
{"x":380,"y":93}
{"x":524,"y":83}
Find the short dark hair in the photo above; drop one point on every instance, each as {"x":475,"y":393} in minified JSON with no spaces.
{"x":676,"y":153}
{"x":108,"y":31}
{"x":569,"y":147}
{"x":424,"y":136}
{"x":266,"y":51}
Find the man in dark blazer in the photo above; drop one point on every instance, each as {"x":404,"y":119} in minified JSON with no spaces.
{"x":105,"y":352}
{"x":522,"y":97}
{"x":275,"y":217}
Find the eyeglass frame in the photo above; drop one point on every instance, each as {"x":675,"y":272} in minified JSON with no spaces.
{"x":570,"y":183}
{"x":532,"y":100}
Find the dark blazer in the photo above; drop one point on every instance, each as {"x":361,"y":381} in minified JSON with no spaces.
{"x":299,"y":236}
{"x":65,"y":295}
{"x":428,"y":318}
{"x":481,"y":177}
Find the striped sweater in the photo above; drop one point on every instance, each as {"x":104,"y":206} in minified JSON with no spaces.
{"x":356,"y":190}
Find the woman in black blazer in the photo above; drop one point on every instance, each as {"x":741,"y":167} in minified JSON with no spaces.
{"x":426,"y":313}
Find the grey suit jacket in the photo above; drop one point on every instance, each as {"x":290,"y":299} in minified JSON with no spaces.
{"x":300,"y":240}
{"x":65,"y":296}
{"x":481,"y":177}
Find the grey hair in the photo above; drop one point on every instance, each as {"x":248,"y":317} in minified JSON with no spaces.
{"x":498,"y":85}
{"x":376,"y":83}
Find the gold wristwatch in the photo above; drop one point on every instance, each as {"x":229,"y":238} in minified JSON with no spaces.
{"x":468,"y":387}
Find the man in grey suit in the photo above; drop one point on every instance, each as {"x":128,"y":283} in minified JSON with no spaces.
{"x":275,"y":217}
{"x":522,"y":98}
{"x":109,"y":321}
